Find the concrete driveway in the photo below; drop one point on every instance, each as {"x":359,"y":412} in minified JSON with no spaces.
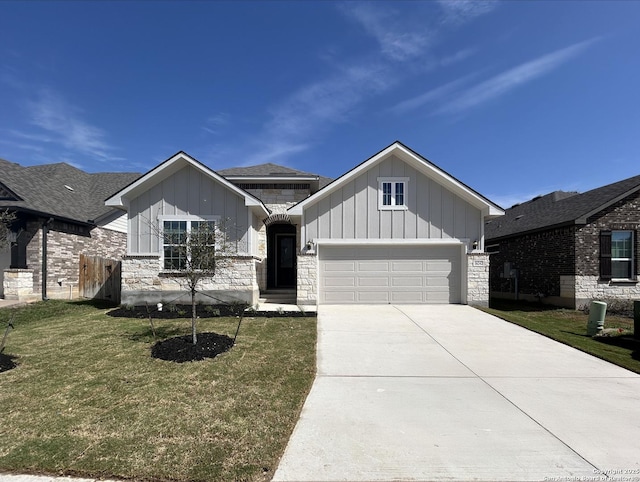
{"x":451,"y":393}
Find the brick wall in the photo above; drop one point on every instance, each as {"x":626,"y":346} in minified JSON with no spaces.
{"x":623,"y":215}
{"x":541,"y":259}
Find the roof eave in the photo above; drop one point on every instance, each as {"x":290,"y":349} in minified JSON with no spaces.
{"x":534,"y":230}
{"x":583,"y":219}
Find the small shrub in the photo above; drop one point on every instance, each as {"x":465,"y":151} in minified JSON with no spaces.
{"x":615,"y":306}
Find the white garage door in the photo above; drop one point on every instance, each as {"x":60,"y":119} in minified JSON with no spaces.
{"x":403,"y":274}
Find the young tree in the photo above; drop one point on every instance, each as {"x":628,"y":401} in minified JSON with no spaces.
{"x":6,"y":218}
{"x":196,"y":250}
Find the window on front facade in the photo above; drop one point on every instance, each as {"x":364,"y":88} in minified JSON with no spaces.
{"x":617,"y":255}
{"x":622,"y":254}
{"x":392,"y":193}
{"x":185,"y":242}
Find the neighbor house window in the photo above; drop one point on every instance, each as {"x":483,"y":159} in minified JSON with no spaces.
{"x":617,"y":255}
{"x":392,"y":193}
{"x":180,"y":237}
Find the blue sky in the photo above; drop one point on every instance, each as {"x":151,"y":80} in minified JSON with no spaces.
{"x":513,"y":98}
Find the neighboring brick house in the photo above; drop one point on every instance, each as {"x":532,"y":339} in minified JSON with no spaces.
{"x":394,"y":229}
{"x":567,"y":248}
{"x":61,"y":209}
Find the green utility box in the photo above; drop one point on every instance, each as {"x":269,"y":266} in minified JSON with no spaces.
{"x":597,"y":312}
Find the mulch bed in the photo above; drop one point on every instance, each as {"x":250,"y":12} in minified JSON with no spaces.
{"x":6,"y":362}
{"x":181,"y":349}
{"x":170,"y":312}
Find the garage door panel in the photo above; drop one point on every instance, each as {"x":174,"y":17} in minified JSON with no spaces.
{"x":340,"y":297}
{"x":373,"y":297}
{"x":369,"y":265}
{"x":407,"y":266}
{"x":345,"y":266}
{"x":408,"y":281}
{"x":373,"y":281}
{"x":416,"y":297}
{"x":332,"y":282}
{"x":408,"y":274}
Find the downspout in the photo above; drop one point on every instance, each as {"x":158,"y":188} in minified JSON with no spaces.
{"x":45,"y":230}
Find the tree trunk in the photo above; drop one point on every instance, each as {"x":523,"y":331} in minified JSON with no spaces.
{"x":193,"y":316}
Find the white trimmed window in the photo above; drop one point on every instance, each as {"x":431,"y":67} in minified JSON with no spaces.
{"x":392,"y":193}
{"x":617,"y":255}
{"x":175,"y":233}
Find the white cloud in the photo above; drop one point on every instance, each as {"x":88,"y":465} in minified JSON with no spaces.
{"x":315,"y":108}
{"x":461,"y":11}
{"x":509,"y":80}
{"x":404,"y":37}
{"x":64,"y":125}
{"x":216,"y":122}
{"x":459,"y":56}
{"x":397,"y":41}
{"x":439,"y":94}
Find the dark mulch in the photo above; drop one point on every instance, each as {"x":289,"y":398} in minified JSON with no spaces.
{"x":170,"y":312}
{"x":181,"y":349}
{"x":6,"y":362}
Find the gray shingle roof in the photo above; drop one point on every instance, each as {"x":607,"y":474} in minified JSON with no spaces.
{"x":557,"y":209}
{"x":265,"y":170}
{"x":43,"y":189}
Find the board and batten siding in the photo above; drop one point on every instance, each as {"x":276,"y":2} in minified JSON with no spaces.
{"x":433,"y":212}
{"x":188,"y":192}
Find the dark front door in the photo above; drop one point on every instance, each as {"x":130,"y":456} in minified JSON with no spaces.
{"x":281,"y":256}
{"x":285,"y":260}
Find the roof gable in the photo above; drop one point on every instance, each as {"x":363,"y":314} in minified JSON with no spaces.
{"x":421,"y":164}
{"x":559,"y":208}
{"x":167,"y":169}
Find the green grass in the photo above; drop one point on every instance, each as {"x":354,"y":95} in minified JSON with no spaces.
{"x":570,"y":327}
{"x":88,"y":399}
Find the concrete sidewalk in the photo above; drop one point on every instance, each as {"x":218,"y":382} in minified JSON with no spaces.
{"x":451,"y":393}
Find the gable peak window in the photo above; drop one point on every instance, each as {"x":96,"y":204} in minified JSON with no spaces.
{"x":392,"y":193}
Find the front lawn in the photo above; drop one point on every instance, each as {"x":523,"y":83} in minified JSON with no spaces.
{"x":87,"y":398}
{"x":570,"y":327}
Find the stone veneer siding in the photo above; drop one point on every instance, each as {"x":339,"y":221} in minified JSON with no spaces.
{"x":65,"y":243}
{"x":18,"y":284}
{"x":478,"y":279}
{"x":307,"y":290}
{"x":144,"y":282}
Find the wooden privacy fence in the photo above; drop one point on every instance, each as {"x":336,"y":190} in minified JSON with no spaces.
{"x":99,"y":278}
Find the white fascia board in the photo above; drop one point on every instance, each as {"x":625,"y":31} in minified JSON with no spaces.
{"x":412,"y":159}
{"x":392,"y":242}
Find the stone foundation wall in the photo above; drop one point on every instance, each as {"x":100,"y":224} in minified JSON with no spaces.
{"x":307,"y":289}
{"x":478,"y":279}
{"x":144,"y":282}
{"x":18,"y":285}
{"x":588,"y":288}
